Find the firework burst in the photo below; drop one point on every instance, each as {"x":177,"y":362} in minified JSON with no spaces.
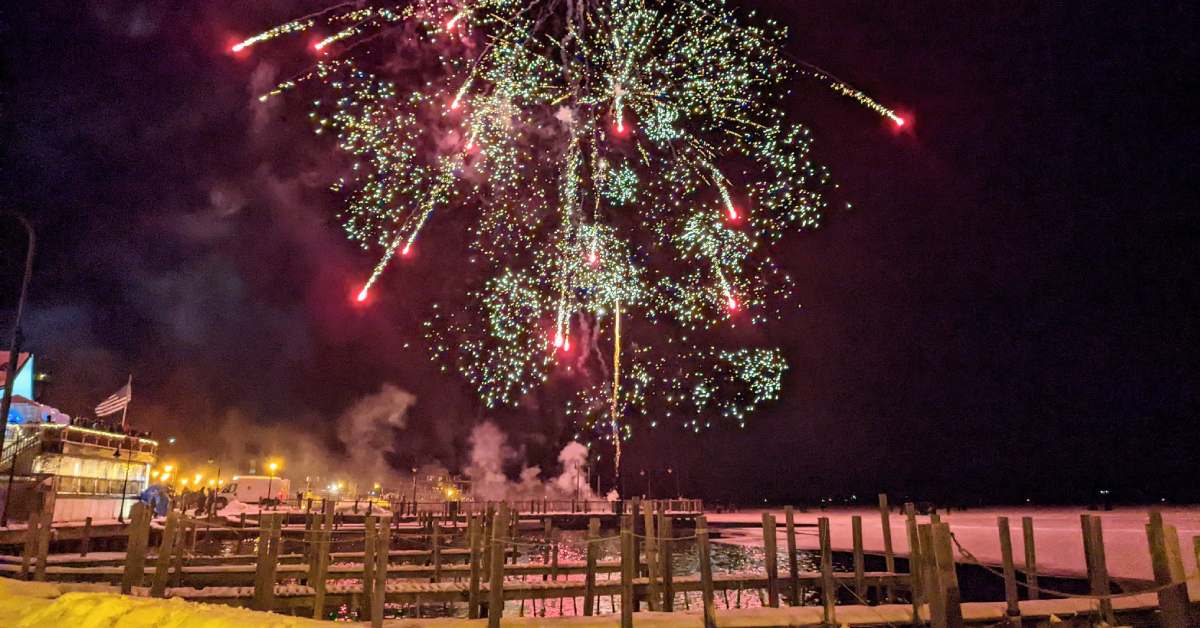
{"x":628,"y":166}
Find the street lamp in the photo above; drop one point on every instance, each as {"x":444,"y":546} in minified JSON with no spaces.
{"x":678,"y":493}
{"x":14,"y":348}
{"x":271,"y":467}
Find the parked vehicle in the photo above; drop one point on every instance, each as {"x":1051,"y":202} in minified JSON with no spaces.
{"x":255,"y":489}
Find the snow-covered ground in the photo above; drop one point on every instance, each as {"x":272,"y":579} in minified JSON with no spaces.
{"x":1057,"y":534}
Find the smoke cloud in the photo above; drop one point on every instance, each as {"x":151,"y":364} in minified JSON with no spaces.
{"x":490,"y":454}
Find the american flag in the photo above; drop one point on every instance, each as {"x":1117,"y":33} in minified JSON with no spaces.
{"x":117,"y":401}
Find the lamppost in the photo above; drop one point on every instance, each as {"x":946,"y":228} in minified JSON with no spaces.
{"x":271,"y":467}
{"x":647,"y":476}
{"x":678,"y":493}
{"x":125,"y":483}
{"x":14,"y":348}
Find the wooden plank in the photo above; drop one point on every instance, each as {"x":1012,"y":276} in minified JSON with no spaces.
{"x":135,"y":554}
{"x":474,"y":533}
{"x":1031,"y":573}
{"x":789,"y":517}
{"x":33,"y":522}
{"x":166,"y":552}
{"x":85,"y":543}
{"x":1173,"y":598}
{"x":589,"y":595}
{"x":264,"y":582}
{"x":889,"y":556}
{"x":860,"y":585}
{"x":628,"y":571}
{"x":496,"y":581}
{"x":706,"y":576}
{"x":771,"y":559}
{"x":666,"y":551}
{"x":1012,"y":601}
{"x":828,"y":587}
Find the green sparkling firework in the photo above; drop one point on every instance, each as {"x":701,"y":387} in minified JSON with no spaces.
{"x":626,"y":156}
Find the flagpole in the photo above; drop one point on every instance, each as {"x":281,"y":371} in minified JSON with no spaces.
{"x":125,"y":408}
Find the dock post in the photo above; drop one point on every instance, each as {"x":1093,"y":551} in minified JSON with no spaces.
{"x":915,"y":561}
{"x":1031,"y":576}
{"x":34,"y":522}
{"x":628,"y":571}
{"x":166,"y":550}
{"x":949,"y":596}
{"x":860,"y":583}
{"x":436,"y":541}
{"x":889,"y":555}
{"x":86,"y":542}
{"x":383,"y":549}
{"x":1011,"y":597}
{"x":319,"y":564}
{"x":474,"y":532}
{"x":655,"y":601}
{"x":666,"y":549}
{"x":135,"y":554}
{"x":370,"y":529}
{"x":496,"y":581}
{"x":1173,"y":599}
{"x":42,"y":543}
{"x":706,"y":577}
{"x":789,"y":517}
{"x":828,"y":590}
{"x":770,"y":542}
{"x":270,"y":535}
{"x":1097,"y":568}
{"x":589,"y":578}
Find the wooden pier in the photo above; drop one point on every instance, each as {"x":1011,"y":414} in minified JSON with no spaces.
{"x":469,"y":559}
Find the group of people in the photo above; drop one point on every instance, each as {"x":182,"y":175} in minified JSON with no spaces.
{"x":107,"y":426}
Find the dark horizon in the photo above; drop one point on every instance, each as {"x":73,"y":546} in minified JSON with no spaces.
{"x":1008,"y":311}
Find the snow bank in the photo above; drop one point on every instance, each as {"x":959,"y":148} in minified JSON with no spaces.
{"x":43,"y":605}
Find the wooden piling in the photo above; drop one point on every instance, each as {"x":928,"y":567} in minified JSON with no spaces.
{"x":915,"y":561}
{"x":651,"y":545}
{"x":319,"y":564}
{"x":370,"y":532}
{"x":628,"y":571}
{"x":950,"y":597}
{"x":860,"y":583}
{"x":496,"y":581}
{"x":43,"y":543}
{"x":589,"y":582}
{"x":436,"y":543}
{"x":706,"y":578}
{"x":85,"y":543}
{"x":789,"y":517}
{"x":270,"y":537}
{"x":1097,"y":570}
{"x":33,"y":522}
{"x":135,"y":554}
{"x":166,"y":551}
{"x":666,"y":548}
{"x":889,"y":556}
{"x":474,"y":533}
{"x":927,"y":573}
{"x":1031,"y":574}
{"x":1173,"y":597}
{"x":771,"y":562}
{"x":383,"y":547}
{"x":1011,"y":597}
{"x":828,"y":592}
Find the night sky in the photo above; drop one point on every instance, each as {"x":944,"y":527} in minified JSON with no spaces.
{"x":1008,"y":311}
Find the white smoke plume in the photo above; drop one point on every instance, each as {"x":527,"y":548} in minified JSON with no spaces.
{"x":490,"y":453}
